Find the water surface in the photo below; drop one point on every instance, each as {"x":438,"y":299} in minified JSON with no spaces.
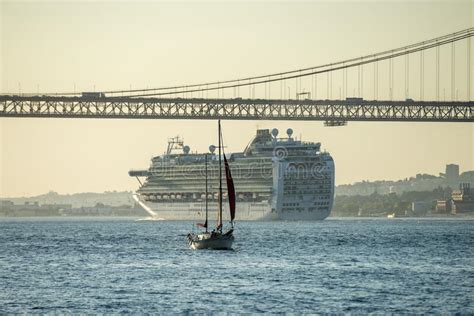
{"x":350,"y":265}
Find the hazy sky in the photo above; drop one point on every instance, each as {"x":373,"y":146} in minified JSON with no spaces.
{"x":62,"y":46}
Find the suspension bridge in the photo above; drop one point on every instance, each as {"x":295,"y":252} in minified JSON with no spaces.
{"x":403,"y":84}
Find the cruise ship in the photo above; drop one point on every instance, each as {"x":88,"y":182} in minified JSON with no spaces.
{"x":276,"y":178}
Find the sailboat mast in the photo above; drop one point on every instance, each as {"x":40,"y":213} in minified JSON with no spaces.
{"x":220,"y":178}
{"x":206,"y":193}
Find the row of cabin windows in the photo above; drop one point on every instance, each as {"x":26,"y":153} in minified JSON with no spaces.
{"x":296,"y":180}
{"x":315,"y":184}
{"x":291,"y":204}
{"x":300,"y":209}
{"x":319,"y":186}
{"x":325,"y":203}
{"x":306,"y":192}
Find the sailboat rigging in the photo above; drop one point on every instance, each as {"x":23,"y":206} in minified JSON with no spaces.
{"x":217,"y":239}
{"x":207,"y":209}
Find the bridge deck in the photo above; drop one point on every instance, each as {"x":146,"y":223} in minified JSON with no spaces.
{"x":235,"y":109}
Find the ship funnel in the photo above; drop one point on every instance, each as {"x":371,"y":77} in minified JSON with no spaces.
{"x":289,"y":132}
{"x":212,"y":149}
{"x":275,"y":132}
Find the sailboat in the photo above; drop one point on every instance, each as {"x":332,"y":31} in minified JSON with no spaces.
{"x":217,"y":238}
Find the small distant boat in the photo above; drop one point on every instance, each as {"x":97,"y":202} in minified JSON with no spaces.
{"x":217,"y":239}
{"x":391,"y":215}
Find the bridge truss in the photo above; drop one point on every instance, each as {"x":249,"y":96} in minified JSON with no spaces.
{"x":333,"y":112}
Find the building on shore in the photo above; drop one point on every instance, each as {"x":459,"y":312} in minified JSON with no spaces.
{"x":30,"y":209}
{"x":463,"y":199}
{"x":421,"y":208}
{"x":452,"y":175}
{"x":451,"y":178}
{"x":8,"y":208}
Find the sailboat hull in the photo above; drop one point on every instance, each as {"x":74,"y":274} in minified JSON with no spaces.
{"x":211,"y":241}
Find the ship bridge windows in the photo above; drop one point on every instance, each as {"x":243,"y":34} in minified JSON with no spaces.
{"x":324,"y":197}
{"x":321,"y":203}
{"x":292,"y":209}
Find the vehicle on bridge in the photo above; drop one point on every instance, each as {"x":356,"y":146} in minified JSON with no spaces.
{"x":93,"y":95}
{"x":354,"y":99}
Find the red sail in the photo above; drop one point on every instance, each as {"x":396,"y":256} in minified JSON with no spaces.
{"x":230,"y":189}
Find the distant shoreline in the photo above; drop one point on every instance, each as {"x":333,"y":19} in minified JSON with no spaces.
{"x":134,"y":218}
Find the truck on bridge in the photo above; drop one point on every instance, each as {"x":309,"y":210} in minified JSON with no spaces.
{"x":93,"y":95}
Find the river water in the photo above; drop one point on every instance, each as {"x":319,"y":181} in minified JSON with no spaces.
{"x":338,"y":265}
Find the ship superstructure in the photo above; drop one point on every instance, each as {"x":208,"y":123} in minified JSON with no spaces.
{"x":275,"y":178}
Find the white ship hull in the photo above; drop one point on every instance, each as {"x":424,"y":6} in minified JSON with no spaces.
{"x":247,"y":211}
